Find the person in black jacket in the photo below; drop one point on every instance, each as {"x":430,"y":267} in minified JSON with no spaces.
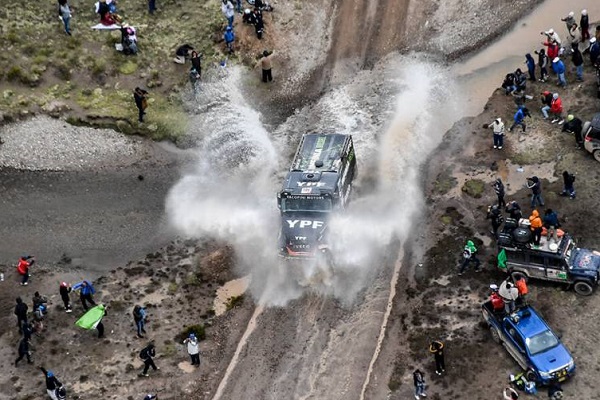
{"x":574,"y":125}
{"x":419,"y":382}
{"x":140,"y":98}
{"x":64,"y":291}
{"x":577,"y":59}
{"x":584,"y":24}
{"x":52,"y":383}
{"x":569,"y":188}
{"x":23,"y":351}
{"x":21,"y":313}
{"x":543,"y":64}
{"x":259,"y":25}
{"x":514,"y":210}
{"x":495,"y":214}
{"x":147,"y":354}
{"x":499,"y":189}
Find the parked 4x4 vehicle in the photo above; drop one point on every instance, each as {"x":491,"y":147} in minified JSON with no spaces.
{"x":591,"y":136}
{"x":560,"y":261}
{"x":531,"y":342}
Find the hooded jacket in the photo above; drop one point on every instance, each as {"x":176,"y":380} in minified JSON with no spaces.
{"x":558,"y":67}
{"x":227,"y":9}
{"x":499,"y":187}
{"x":519,"y":115}
{"x":85,"y":289}
{"x":229,"y":36}
{"x":530,"y":62}
{"x":584,"y":22}
{"x":21,"y":309}
{"x":536,"y":186}
{"x":551,"y":219}
{"x":23,"y":347}
{"x":575,"y":126}
{"x":497,"y":126}
{"x":535,"y":220}
{"x":542,"y":58}
{"x":556,"y":106}
{"x":470,"y":246}
{"x":52,"y":383}
{"x":594,"y":52}
{"x":576,"y":56}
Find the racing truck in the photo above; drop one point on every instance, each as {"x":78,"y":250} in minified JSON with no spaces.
{"x":531,"y":343}
{"x":318,"y":183}
{"x":558,"y":261}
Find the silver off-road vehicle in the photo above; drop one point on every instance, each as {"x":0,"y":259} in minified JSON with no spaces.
{"x":591,"y":136}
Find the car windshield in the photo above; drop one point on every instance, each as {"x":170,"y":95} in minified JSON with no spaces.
{"x":569,"y":253}
{"x":541,"y":342}
{"x":317,"y":204}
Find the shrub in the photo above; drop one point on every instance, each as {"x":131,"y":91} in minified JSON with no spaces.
{"x":197,"y":330}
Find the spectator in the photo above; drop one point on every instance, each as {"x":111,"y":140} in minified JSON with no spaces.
{"x":23,"y":268}
{"x":147,"y":354}
{"x":229,"y":37}
{"x":437,"y":349}
{"x":577,"y":59}
{"x":194,"y":78}
{"x":574,"y":125}
{"x":555,"y":108}
{"x":553,"y":36}
{"x":552,"y":50}
{"x":259,"y":25}
{"x":509,"y":85}
{"x":543,"y":64}
{"x":196,"y":60}
{"x":499,"y":189}
{"x":530,"y":62}
{"x":193,"y":349}
{"x":469,"y":254}
{"x":53,"y":385}
{"x":559,"y":68}
{"x":228,"y":11}
{"x":569,"y":185}
{"x":584,"y":24}
{"x":140,"y":96}
{"x":535,"y":185}
{"x":266,"y":64}
{"x":496,"y":299}
{"x":86,"y":291}
{"x":519,"y":119}
{"x":569,"y":20}
{"x":594,"y":50}
{"x":520,"y":81}
{"x":574,"y":36}
{"x":64,"y":290}
{"x":514,"y":210}
{"x":495,"y":215}
{"x":64,"y":12}
{"x":21,"y":313}
{"x":151,"y":6}
{"x":498,"y":128}
{"x":139,"y":317}
{"x":536,"y":228}
{"x":419,"y":382}
{"x":551,"y":224}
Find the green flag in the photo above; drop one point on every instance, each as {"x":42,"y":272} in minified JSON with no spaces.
{"x":502,"y":259}
{"x":90,"y":319}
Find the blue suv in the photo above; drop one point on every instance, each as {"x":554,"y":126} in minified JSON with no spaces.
{"x":531,"y":342}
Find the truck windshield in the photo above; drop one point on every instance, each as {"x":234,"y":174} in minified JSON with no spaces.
{"x":317,"y":204}
{"x":541,"y":342}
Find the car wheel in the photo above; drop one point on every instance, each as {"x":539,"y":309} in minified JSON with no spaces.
{"x":531,"y":376}
{"x":518,"y":275}
{"x":495,"y":335}
{"x":583,"y":288}
{"x":596,"y":155}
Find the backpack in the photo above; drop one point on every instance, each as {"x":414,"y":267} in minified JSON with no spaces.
{"x":467,"y":253}
{"x":144,"y":354}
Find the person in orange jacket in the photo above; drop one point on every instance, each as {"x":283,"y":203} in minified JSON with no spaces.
{"x":23,"y":268}
{"x":536,"y":227}
{"x":521,"y":285}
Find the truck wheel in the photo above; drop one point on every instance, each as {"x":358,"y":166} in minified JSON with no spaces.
{"x":531,"y":376}
{"x":596,"y":155}
{"x":495,"y":335}
{"x":583,"y":288}
{"x":518,"y":275}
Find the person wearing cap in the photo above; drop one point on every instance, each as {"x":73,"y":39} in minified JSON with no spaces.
{"x":574,"y":125}
{"x":559,"y":68}
{"x":577,"y":60}
{"x":193,"y":349}
{"x":52,"y":383}
{"x":552,"y":36}
{"x":594,"y":50}
{"x":498,"y":128}
{"x":584,"y":24}
{"x":569,"y":20}
{"x":64,"y":291}
{"x":496,"y":299}
{"x":469,"y":254}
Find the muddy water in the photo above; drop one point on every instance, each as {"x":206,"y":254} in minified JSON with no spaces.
{"x":483,"y":72}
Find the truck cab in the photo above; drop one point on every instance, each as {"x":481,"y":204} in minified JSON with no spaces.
{"x":560,"y":261}
{"x":531,"y":343}
{"x":319,"y":182}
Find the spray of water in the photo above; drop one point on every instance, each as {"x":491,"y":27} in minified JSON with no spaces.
{"x":230,"y":191}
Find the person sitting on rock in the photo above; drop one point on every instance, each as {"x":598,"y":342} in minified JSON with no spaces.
{"x":182,"y":53}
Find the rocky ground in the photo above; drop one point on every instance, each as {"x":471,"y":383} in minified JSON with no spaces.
{"x":435,"y":303}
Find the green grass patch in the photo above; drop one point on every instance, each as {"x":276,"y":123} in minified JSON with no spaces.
{"x":197,"y":330}
{"x":474,"y":188}
{"x":234,"y":301}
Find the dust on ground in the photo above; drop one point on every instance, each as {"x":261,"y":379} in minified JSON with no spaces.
{"x":435,"y":303}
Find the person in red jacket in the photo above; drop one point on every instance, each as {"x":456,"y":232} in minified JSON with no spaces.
{"x":23,"y":268}
{"x":555,"y":108}
{"x":553,"y":49}
{"x":497,"y":302}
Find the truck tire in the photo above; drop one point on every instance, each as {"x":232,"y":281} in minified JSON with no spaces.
{"x":596,"y":155}
{"x":531,"y":376}
{"x":583,"y":288}
{"x":516,"y":275}
{"x":495,"y":335}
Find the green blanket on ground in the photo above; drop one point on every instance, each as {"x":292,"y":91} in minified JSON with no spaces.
{"x":90,"y":319}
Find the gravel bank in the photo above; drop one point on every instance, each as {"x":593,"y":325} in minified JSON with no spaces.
{"x":44,"y":143}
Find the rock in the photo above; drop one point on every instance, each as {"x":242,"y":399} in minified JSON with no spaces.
{"x":55,"y":108}
{"x":124,"y":127}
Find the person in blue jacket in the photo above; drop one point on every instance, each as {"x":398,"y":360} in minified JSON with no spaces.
{"x":86,"y":290}
{"x":530,"y":66}
{"x":229,"y":37}
{"x":519,"y":118}
{"x":559,"y":67}
{"x":594,"y":50}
